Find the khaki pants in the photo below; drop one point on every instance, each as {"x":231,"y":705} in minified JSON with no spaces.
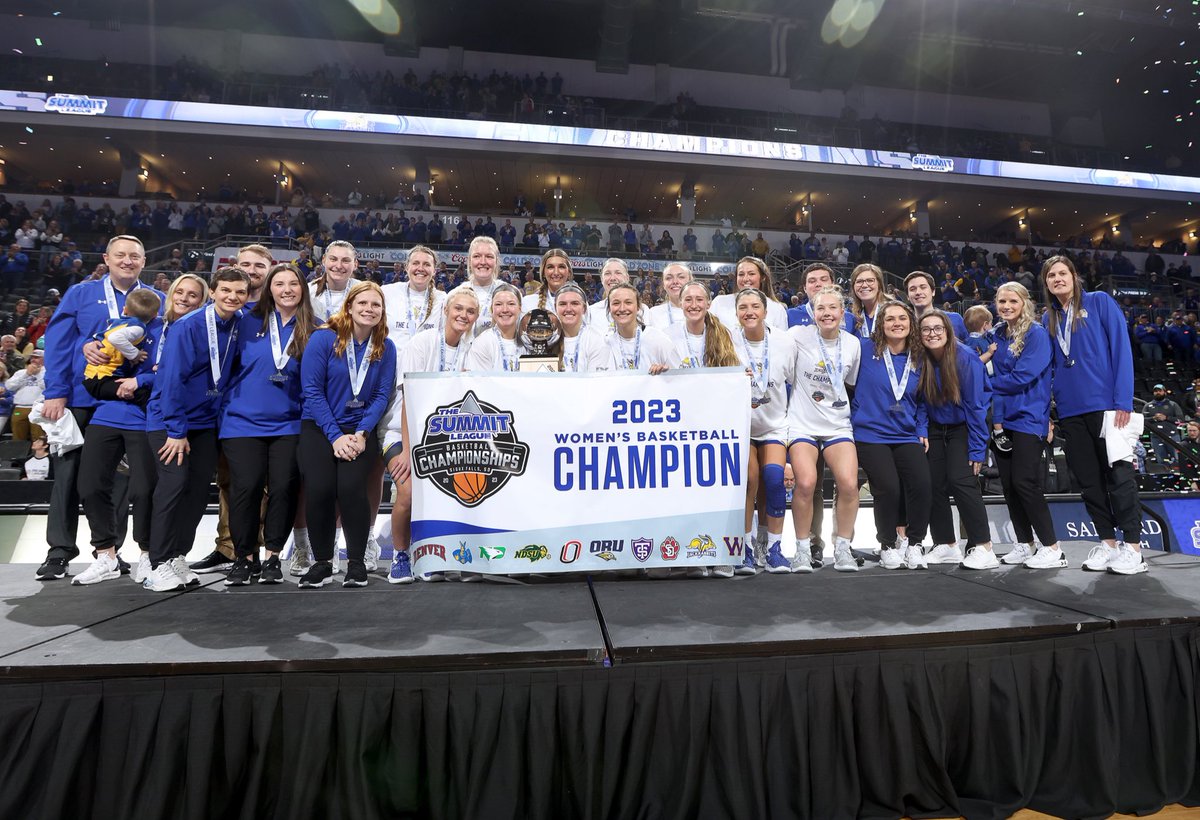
{"x":22,"y":428}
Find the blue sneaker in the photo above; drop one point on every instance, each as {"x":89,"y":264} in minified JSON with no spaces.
{"x":776,"y":561}
{"x":401,"y":571}
{"x":748,"y":565}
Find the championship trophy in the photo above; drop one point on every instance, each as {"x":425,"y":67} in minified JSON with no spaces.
{"x":541,"y":337}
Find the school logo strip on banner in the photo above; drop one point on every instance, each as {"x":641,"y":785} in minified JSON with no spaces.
{"x":521,"y":473}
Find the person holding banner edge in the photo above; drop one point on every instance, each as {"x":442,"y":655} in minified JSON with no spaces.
{"x":1093,"y":391}
{"x":768,"y":354}
{"x":438,"y":350}
{"x":348,"y":375}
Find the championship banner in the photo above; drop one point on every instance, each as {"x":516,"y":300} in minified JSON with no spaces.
{"x":562,"y":472}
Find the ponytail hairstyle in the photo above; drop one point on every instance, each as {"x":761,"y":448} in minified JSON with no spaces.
{"x":305,"y":320}
{"x":949,"y":391}
{"x":766,"y":285}
{"x":1017,"y":330}
{"x":341,"y":323}
{"x":429,"y":289}
{"x":913,"y":343}
{"x":637,"y":298}
{"x":718,"y":343}
{"x":553,"y":253}
{"x":322,"y":281}
{"x":757,"y":294}
{"x":1052,"y":301}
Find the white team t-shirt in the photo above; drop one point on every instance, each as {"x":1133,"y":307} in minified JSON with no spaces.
{"x":409,"y":312}
{"x":490,"y":352}
{"x":586,"y":352}
{"x":772,"y":361}
{"x":811,"y":410}
{"x":724,"y":308}
{"x":650,"y":346}
{"x":329,"y":302}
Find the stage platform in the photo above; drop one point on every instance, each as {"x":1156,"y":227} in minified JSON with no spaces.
{"x":873,"y":694}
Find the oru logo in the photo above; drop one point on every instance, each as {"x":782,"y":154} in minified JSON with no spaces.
{"x":469,"y":450}
{"x":929,"y":162}
{"x":76,"y":104}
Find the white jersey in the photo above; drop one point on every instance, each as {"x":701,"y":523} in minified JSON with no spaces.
{"x":530,"y":301}
{"x":768,"y":421}
{"x":723,"y":308}
{"x":586,"y":352}
{"x":327,"y":303}
{"x":407,"y":313}
{"x":597,"y":317}
{"x":484,"y":293}
{"x":491,"y":352}
{"x":689,"y":347}
{"x":665,"y":316}
{"x":812,"y":413}
{"x":426,"y":353}
{"x":650,"y":346}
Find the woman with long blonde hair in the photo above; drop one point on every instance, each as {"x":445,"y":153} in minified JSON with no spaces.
{"x":554,"y":272}
{"x":1021,"y":408}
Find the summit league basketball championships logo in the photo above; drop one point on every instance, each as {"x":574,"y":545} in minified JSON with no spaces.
{"x":469,"y":450}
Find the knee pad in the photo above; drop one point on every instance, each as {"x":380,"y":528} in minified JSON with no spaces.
{"x":772,"y":476}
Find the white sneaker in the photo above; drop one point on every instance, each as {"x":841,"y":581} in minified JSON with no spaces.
{"x":163,"y":579}
{"x":980,"y":558}
{"x":302,"y":557}
{"x":843,"y":556}
{"x":141,"y":570}
{"x":104,"y":568}
{"x":802,"y":562}
{"x":371,"y":555}
{"x":760,"y":548}
{"x":891,"y":558}
{"x":180,"y":565}
{"x":914,"y":558}
{"x":1019,"y":554}
{"x":1101,"y":556}
{"x":944,"y":554}
{"x":692,"y":572}
{"x":721,"y":571}
{"x":1047,"y":558}
{"x":1128,"y":562}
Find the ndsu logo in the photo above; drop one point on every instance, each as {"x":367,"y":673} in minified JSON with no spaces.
{"x":607,"y":545}
{"x":734,"y":545}
{"x":641,"y":548}
{"x":669,"y":548}
{"x":469,"y":450}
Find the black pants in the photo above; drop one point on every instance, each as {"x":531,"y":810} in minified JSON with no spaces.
{"x":950,"y":474}
{"x":332,"y":485}
{"x":62,"y":519}
{"x":105,"y":389}
{"x":255,"y":465}
{"x":181,"y":494}
{"x":1109,"y":493}
{"x":1021,"y":478}
{"x":102,"y":451}
{"x":897,"y":471}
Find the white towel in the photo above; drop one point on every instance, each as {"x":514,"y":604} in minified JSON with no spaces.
{"x":63,"y":435}
{"x":1119,"y":441}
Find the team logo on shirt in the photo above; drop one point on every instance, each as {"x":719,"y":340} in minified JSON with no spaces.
{"x":469,"y":450}
{"x":642,"y":548}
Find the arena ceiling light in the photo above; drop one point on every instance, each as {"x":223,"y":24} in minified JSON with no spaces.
{"x":380,"y":14}
{"x":849,"y":20}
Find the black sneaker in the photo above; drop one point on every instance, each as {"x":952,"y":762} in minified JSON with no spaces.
{"x":1002,"y":441}
{"x":53,"y":569}
{"x":243,"y":573}
{"x":213,"y":562}
{"x":356,"y":573}
{"x":123,"y":565}
{"x":318,"y":575}
{"x":272,"y":572}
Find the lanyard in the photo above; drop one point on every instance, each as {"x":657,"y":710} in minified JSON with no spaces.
{"x":278,"y":354}
{"x":110,"y":297}
{"x":696,"y":360}
{"x":413,"y":324}
{"x":508,"y":363}
{"x":630,"y":364}
{"x":762,"y":368}
{"x":327,"y":300}
{"x":834,"y":369}
{"x":162,"y":342}
{"x":899,"y":386}
{"x":358,"y":373}
{"x":575,"y":356}
{"x":868,"y":322}
{"x":670,"y":315}
{"x":1064,"y":332}
{"x":216,"y":363}
{"x":442,"y":356}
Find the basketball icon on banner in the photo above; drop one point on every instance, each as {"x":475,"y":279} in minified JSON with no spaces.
{"x":469,"y":449}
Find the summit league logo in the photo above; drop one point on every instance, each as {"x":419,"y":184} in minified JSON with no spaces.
{"x":469,"y":449}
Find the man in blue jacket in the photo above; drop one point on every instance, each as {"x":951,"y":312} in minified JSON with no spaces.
{"x":85,"y":310}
